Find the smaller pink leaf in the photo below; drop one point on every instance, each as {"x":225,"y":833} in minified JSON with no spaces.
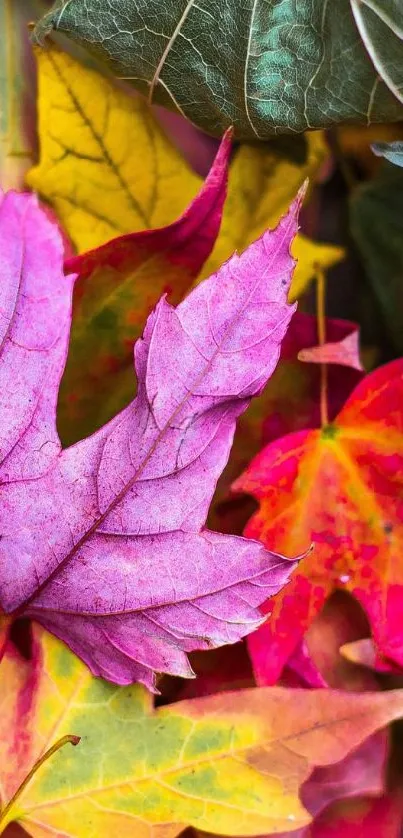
{"x":365,"y":653}
{"x":345,"y":353}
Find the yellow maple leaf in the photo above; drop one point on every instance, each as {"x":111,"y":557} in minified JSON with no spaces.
{"x":107,"y":168}
{"x":261,"y":187}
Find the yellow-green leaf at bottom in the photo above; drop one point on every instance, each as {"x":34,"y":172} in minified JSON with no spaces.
{"x":231,"y":763}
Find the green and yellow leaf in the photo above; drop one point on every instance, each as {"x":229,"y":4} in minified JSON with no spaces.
{"x":231,"y":763}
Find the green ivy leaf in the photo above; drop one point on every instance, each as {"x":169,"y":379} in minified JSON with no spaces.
{"x":263,"y":66}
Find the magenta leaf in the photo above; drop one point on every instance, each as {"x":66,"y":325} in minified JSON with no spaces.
{"x":103,"y":542}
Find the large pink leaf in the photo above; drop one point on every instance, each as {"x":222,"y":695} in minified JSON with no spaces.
{"x":103,"y":542}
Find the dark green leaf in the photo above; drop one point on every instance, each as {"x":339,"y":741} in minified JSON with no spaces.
{"x":264,"y":66}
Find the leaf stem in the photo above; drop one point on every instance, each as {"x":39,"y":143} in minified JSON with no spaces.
{"x":321,"y":317}
{"x":73,"y":740}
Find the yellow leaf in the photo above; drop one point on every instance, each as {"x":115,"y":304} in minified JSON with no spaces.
{"x":261,"y":187}
{"x":309,"y":254}
{"x":105,"y":166}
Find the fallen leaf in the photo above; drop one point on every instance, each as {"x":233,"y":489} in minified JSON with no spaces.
{"x":355,"y":465}
{"x":105,"y":165}
{"x":104,"y":542}
{"x":345,"y":353}
{"x":380,"y":23}
{"x":361,"y":772}
{"x":300,"y":671}
{"x":393,"y":152}
{"x":232,"y":762}
{"x":364,"y":653}
{"x":119,"y":284}
{"x":341,"y":621}
{"x":261,"y":185}
{"x":365,"y":818}
{"x":266,"y":70}
{"x":376,"y":221}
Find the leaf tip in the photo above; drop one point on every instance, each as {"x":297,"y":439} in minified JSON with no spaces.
{"x":302,"y":193}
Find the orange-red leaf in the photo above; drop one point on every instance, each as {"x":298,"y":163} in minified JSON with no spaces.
{"x":340,"y":488}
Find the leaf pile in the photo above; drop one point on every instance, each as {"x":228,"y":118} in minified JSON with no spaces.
{"x":201,"y":487}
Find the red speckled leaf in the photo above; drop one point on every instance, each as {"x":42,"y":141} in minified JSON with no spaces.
{"x":340,"y":488}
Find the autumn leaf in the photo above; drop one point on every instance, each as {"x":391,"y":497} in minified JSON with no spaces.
{"x":364,"y":653}
{"x":344,"y":353}
{"x":233,"y":762}
{"x":340,"y":622}
{"x":270,"y":69}
{"x":104,"y":542}
{"x":147,"y":183}
{"x":365,"y":818}
{"x":339,"y":488}
{"x":261,"y":185}
{"x":106,"y":166}
{"x":119,"y":284}
{"x":361,"y":772}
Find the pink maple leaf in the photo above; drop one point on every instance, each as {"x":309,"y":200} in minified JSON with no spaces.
{"x":104,"y":542}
